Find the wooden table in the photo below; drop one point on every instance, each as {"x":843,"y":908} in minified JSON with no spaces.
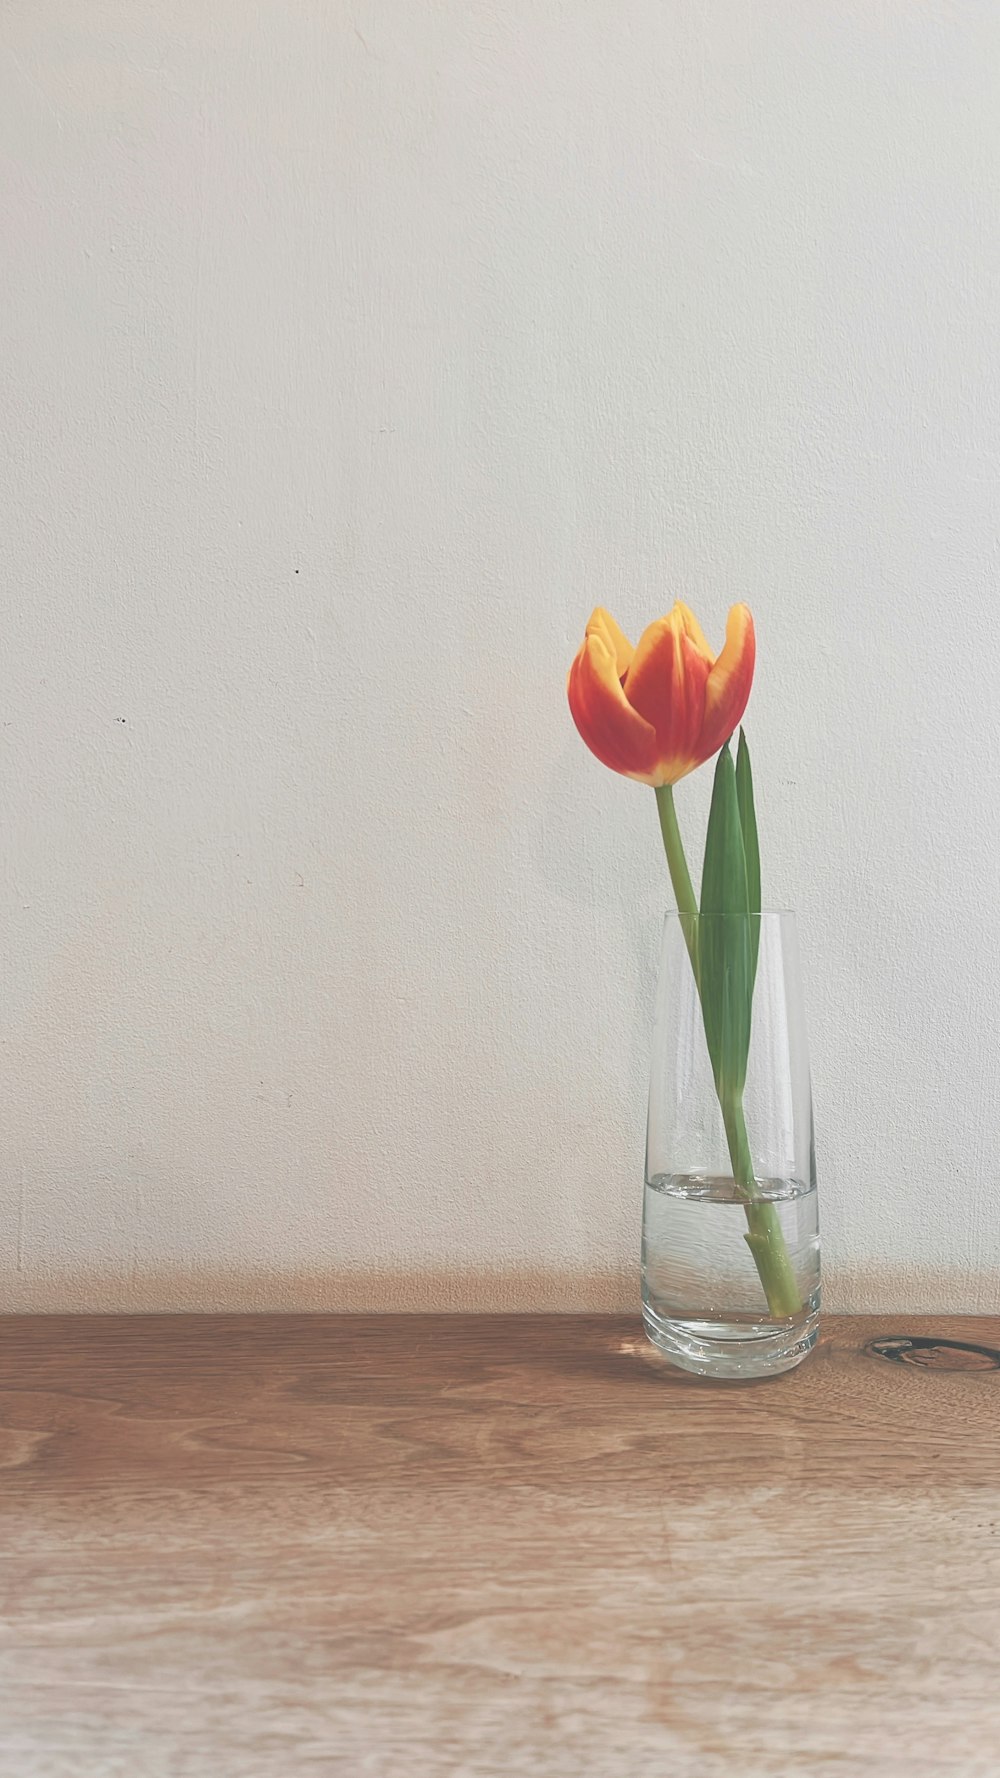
{"x":505,"y":1547}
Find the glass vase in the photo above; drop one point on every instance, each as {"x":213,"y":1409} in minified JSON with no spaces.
{"x":730,"y":1238}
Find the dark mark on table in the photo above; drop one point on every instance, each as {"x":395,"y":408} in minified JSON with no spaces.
{"x":934,"y":1355}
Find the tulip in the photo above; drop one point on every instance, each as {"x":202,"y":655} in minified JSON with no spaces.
{"x":656,"y":712}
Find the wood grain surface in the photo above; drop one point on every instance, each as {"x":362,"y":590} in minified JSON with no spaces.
{"x":453,"y":1547}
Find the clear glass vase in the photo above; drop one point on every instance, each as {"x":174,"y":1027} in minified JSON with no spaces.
{"x":730,"y":1239}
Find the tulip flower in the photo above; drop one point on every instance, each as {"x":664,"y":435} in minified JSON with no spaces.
{"x":656,"y":712}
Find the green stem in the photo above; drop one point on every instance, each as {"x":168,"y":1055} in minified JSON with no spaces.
{"x":680,"y":876}
{"x":764,"y":1236}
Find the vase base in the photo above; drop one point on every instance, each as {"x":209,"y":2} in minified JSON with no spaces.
{"x":733,"y":1351}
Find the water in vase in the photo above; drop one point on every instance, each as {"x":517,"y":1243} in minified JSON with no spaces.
{"x":700,"y":1288}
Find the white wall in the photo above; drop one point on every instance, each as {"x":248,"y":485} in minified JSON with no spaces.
{"x":350,"y":354}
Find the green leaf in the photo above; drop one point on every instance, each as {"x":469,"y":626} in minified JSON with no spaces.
{"x":725,"y":966}
{"x":751,"y":845}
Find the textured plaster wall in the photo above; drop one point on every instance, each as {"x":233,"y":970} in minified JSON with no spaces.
{"x":351,"y":352}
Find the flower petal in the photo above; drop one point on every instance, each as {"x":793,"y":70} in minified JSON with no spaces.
{"x":666,"y":684}
{"x":729,"y":682}
{"x":616,"y":733}
{"x":602,"y":624}
{"x":694,"y":631}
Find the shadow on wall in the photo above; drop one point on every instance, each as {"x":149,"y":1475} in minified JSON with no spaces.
{"x":524,"y":1290}
{"x":527,"y":1289}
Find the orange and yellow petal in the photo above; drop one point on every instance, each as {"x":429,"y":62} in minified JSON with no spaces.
{"x":666,"y":684}
{"x":602,"y":624}
{"x":694,"y":631}
{"x":729,"y":682}
{"x":617,"y":734}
